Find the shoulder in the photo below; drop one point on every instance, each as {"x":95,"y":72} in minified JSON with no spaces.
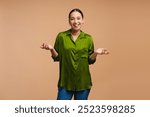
{"x":61,"y":36}
{"x":88,"y":37}
{"x":63,"y":33}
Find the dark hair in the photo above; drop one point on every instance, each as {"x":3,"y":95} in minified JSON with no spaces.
{"x":78,"y":10}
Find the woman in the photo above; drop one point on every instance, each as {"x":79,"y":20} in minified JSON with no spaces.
{"x":74,"y":50}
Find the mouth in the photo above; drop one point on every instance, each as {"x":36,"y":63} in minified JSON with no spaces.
{"x":76,"y":25}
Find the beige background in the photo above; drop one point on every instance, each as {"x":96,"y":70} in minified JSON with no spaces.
{"x":122,"y":26}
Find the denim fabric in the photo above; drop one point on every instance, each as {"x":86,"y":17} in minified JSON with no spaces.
{"x":64,"y":94}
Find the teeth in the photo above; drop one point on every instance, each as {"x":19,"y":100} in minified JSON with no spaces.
{"x":77,"y":24}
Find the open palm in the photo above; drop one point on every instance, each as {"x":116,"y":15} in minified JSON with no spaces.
{"x":102,"y":51}
{"x":46,"y":46}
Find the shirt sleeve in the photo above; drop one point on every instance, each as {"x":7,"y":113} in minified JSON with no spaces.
{"x":91,"y":51}
{"x":56,"y":47}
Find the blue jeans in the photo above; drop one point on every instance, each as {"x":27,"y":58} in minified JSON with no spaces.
{"x":64,"y":94}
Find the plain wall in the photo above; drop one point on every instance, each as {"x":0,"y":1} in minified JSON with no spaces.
{"x":121,"y":26}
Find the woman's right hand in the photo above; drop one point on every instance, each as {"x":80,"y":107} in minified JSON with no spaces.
{"x":46,"y":46}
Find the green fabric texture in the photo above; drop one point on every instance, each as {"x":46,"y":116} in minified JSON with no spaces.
{"x":74,"y":60}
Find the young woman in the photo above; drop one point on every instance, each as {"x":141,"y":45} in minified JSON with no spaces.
{"x":74,"y":50}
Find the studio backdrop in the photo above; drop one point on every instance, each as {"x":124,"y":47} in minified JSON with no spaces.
{"x":121,"y":26}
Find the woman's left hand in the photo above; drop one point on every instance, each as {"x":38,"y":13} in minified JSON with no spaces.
{"x":102,"y":51}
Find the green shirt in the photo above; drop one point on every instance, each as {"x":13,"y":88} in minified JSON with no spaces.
{"x":74,"y":60}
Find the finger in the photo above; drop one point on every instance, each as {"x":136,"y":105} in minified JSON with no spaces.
{"x":46,"y":46}
{"x":104,"y":49}
{"x":106,"y":52}
{"x":41,"y":46}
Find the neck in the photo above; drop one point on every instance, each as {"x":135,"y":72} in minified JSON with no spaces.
{"x":75,"y":32}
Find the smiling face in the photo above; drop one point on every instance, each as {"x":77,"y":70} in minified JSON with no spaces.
{"x":76,"y":21}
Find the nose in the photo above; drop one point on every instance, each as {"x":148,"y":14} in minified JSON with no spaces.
{"x":75,"y":21}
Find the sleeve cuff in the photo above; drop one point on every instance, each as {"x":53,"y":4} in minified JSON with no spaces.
{"x":91,"y":61}
{"x":55,"y":58}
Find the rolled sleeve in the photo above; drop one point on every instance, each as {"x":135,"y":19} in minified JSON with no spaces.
{"x":91,"y":61}
{"x":57,"y":48}
{"x":91,"y":51}
{"x":55,"y":58}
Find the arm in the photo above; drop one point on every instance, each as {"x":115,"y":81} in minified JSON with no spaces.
{"x":51,"y":48}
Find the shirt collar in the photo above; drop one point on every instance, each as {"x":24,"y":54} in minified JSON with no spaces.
{"x":68,"y":32}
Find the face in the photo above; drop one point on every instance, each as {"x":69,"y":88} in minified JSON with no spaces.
{"x":76,"y":21}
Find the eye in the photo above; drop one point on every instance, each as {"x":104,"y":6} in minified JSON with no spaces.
{"x":72,"y":18}
{"x":78,"y":18}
